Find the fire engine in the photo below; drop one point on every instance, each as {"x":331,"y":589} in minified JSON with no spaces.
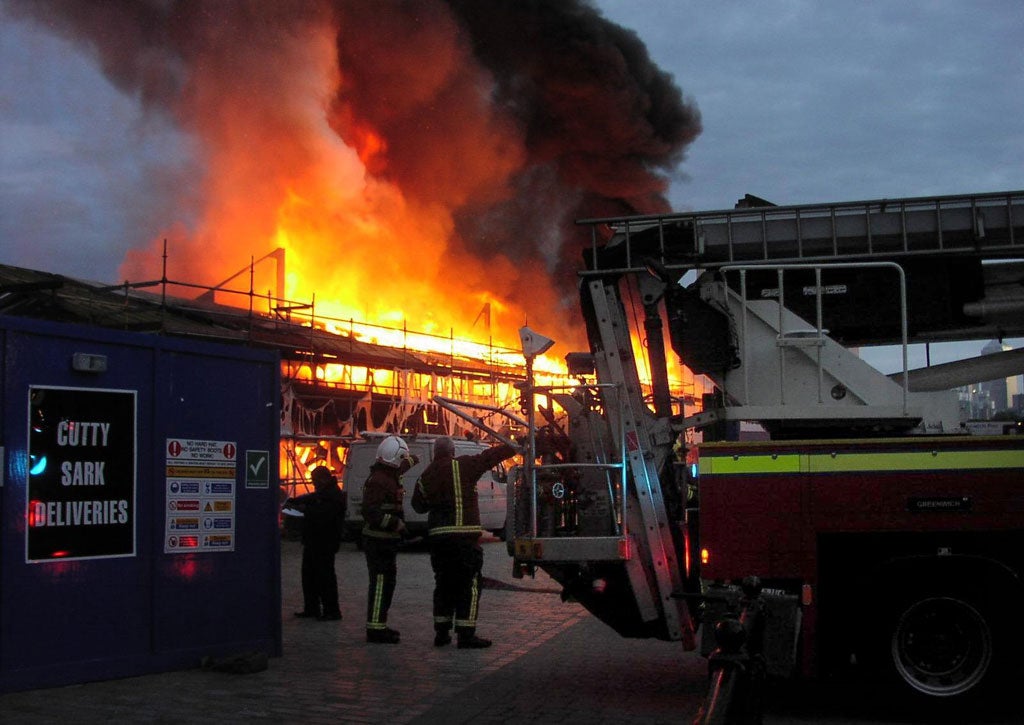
{"x":883,"y":533}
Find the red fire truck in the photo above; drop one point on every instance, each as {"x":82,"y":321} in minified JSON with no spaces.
{"x":906,"y":553}
{"x":884,"y":534}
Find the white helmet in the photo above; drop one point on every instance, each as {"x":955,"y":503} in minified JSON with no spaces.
{"x":392,"y":450}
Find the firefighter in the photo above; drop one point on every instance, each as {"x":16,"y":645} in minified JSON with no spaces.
{"x":446,"y":492}
{"x":384,"y":525}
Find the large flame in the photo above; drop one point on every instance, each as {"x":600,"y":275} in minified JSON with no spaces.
{"x":420,"y":162}
{"x":279,"y":176}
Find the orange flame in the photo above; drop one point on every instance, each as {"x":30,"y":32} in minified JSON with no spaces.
{"x":278,"y":175}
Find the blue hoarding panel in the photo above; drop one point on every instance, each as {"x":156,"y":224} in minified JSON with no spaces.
{"x":131,"y":538}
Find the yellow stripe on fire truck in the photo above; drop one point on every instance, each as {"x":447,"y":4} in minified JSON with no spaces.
{"x":847,"y":462}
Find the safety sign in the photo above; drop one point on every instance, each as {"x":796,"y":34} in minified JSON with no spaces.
{"x":200,"y":510}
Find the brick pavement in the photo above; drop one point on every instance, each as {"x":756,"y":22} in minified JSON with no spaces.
{"x":551,"y":663}
{"x":586,"y":675}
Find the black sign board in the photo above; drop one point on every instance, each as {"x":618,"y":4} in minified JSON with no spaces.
{"x":81,"y":477}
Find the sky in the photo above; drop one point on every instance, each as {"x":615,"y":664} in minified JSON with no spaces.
{"x":800,"y":101}
{"x":807,"y":102}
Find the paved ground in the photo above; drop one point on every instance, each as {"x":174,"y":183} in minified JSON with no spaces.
{"x":551,"y":663}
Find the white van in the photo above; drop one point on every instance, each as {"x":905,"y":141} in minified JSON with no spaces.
{"x":491,"y":488}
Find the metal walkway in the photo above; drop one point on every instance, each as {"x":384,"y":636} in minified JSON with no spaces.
{"x":988,"y":225}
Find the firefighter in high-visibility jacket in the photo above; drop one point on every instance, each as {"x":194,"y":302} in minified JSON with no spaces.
{"x":446,"y":492}
{"x":383,"y":528}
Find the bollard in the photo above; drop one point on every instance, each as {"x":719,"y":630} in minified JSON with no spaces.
{"x":736,"y":670}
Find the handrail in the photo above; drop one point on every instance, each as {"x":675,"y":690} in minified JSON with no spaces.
{"x":781,"y":268}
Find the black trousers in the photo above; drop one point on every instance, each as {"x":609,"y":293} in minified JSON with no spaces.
{"x":457,"y":563}
{"x":382,"y":566}
{"x":319,"y":582}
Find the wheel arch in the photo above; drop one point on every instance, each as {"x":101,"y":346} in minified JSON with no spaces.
{"x":940,"y":571}
{"x":985,"y":584}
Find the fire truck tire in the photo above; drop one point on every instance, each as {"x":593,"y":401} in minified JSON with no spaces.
{"x":941,"y":644}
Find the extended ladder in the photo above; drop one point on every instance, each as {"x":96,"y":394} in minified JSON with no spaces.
{"x":640,"y":435}
{"x":988,"y":224}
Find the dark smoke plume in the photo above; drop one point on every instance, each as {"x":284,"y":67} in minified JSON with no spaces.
{"x":601,"y":125}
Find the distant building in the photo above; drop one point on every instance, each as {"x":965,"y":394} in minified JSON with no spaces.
{"x":992,"y":397}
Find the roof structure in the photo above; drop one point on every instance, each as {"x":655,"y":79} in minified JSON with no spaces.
{"x":135,"y":307}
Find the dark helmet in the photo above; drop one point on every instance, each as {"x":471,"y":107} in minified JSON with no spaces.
{"x":444,"y":447}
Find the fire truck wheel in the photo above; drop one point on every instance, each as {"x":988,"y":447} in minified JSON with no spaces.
{"x":941,"y":645}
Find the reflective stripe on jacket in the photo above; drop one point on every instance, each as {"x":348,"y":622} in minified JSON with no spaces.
{"x":382,"y":501}
{"x":446,"y":491}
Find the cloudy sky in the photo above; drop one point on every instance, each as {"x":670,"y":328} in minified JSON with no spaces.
{"x":807,"y":101}
{"x":801,"y":102}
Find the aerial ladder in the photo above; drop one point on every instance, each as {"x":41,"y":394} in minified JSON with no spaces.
{"x":767,"y":302}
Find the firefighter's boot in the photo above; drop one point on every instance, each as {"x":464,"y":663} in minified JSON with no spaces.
{"x":468,"y":640}
{"x":383,"y":636}
{"x":442,"y":637}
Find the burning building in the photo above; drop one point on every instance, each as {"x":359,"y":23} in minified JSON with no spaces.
{"x":418,"y":164}
{"x":335,"y":384}
{"x":421,"y":162}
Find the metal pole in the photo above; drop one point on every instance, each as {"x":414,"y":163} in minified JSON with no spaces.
{"x":529,"y":472}
{"x":782,"y":337}
{"x":820,"y":324}
{"x":743,"y":331}
{"x":623,"y":478}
